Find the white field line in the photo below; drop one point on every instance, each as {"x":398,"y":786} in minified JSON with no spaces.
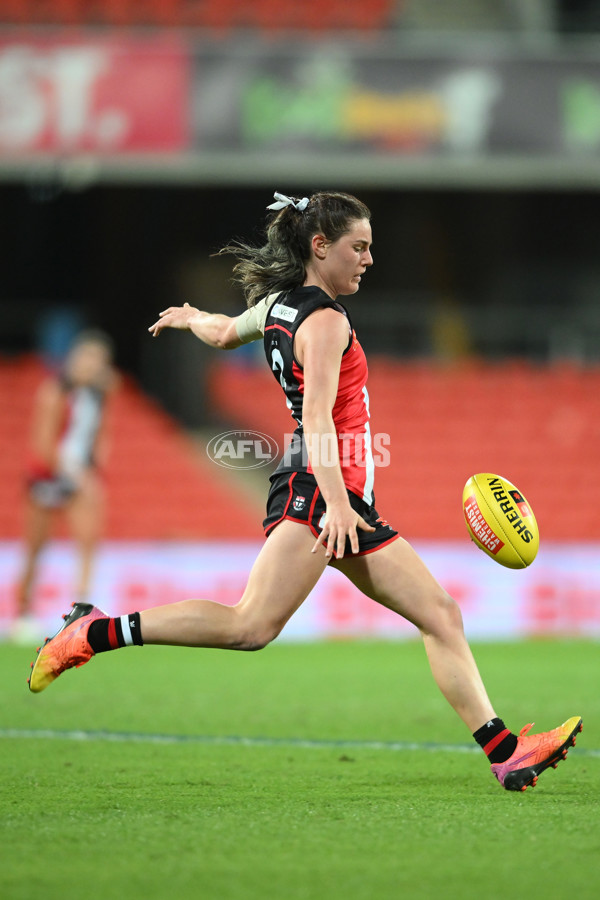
{"x":126,"y":737}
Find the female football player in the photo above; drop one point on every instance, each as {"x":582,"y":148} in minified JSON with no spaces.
{"x":320,"y":506}
{"x":62,"y":472}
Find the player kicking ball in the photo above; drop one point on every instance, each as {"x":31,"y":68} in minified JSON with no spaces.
{"x":320,"y":508}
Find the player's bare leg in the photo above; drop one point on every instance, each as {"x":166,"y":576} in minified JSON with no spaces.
{"x":398,"y":579}
{"x":85,"y":514}
{"x":37,"y":531}
{"x":282,"y":576}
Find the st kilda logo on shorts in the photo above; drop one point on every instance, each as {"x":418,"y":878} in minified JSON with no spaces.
{"x":242,"y":449}
{"x":299,"y":503}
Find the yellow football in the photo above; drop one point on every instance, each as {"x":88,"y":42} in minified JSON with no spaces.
{"x":500,"y":521}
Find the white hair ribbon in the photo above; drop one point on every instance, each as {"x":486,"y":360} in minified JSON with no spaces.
{"x":283,"y":201}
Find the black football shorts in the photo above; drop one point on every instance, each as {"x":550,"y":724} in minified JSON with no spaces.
{"x":296,"y":496}
{"x":51,"y":493}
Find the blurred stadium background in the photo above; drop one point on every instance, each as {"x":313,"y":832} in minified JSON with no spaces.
{"x":137,"y":136}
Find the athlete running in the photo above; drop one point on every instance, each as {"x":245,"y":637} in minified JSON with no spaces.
{"x":320,"y":507}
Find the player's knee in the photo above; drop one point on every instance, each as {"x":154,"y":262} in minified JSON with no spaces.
{"x":257,"y":638}
{"x":448,"y":617}
{"x":451,"y":613}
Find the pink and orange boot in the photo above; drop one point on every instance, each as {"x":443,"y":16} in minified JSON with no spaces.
{"x":69,"y":647}
{"x":534,"y":753}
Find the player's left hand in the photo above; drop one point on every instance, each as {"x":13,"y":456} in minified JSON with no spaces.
{"x":339,"y":525}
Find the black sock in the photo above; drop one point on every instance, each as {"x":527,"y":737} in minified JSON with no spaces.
{"x":109,"y":634}
{"x":496,"y":741}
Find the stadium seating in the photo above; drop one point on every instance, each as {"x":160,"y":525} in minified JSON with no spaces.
{"x":159,"y":485}
{"x":224,"y":15}
{"x":537,"y":426}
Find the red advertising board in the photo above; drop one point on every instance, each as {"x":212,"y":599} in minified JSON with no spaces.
{"x":112,"y":95}
{"x":558,"y":595}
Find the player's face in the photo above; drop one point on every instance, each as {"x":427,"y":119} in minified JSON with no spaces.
{"x":348,"y":258}
{"x":88,"y":363}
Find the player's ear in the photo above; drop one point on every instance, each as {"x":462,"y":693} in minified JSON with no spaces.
{"x":320,"y":245}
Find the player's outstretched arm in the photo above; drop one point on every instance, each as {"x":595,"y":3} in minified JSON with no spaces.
{"x":215,"y":329}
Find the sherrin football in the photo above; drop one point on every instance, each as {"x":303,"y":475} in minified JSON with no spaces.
{"x":500,"y":521}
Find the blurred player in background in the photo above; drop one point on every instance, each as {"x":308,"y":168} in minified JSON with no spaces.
{"x":67,"y":438}
{"x":320,"y":509}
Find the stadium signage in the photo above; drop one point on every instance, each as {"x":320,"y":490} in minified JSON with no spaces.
{"x":113,"y":95}
{"x":230,"y":107}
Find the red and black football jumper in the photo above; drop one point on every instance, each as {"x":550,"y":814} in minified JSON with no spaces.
{"x":350,"y":416}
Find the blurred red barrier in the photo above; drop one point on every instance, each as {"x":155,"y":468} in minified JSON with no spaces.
{"x":266,"y":15}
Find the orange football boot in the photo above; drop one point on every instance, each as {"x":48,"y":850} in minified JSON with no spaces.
{"x":69,"y":647}
{"x":534,"y":753}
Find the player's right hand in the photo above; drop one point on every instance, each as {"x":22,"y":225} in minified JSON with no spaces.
{"x":173,"y":317}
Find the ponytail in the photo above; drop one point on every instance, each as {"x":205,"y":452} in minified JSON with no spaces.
{"x":280,"y":264}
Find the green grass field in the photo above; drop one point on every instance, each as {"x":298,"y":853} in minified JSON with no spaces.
{"x":325,"y":797}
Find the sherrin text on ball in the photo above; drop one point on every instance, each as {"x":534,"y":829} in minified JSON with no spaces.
{"x":500,"y":521}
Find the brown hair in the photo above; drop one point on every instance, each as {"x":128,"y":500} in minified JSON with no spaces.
{"x":280,"y":264}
